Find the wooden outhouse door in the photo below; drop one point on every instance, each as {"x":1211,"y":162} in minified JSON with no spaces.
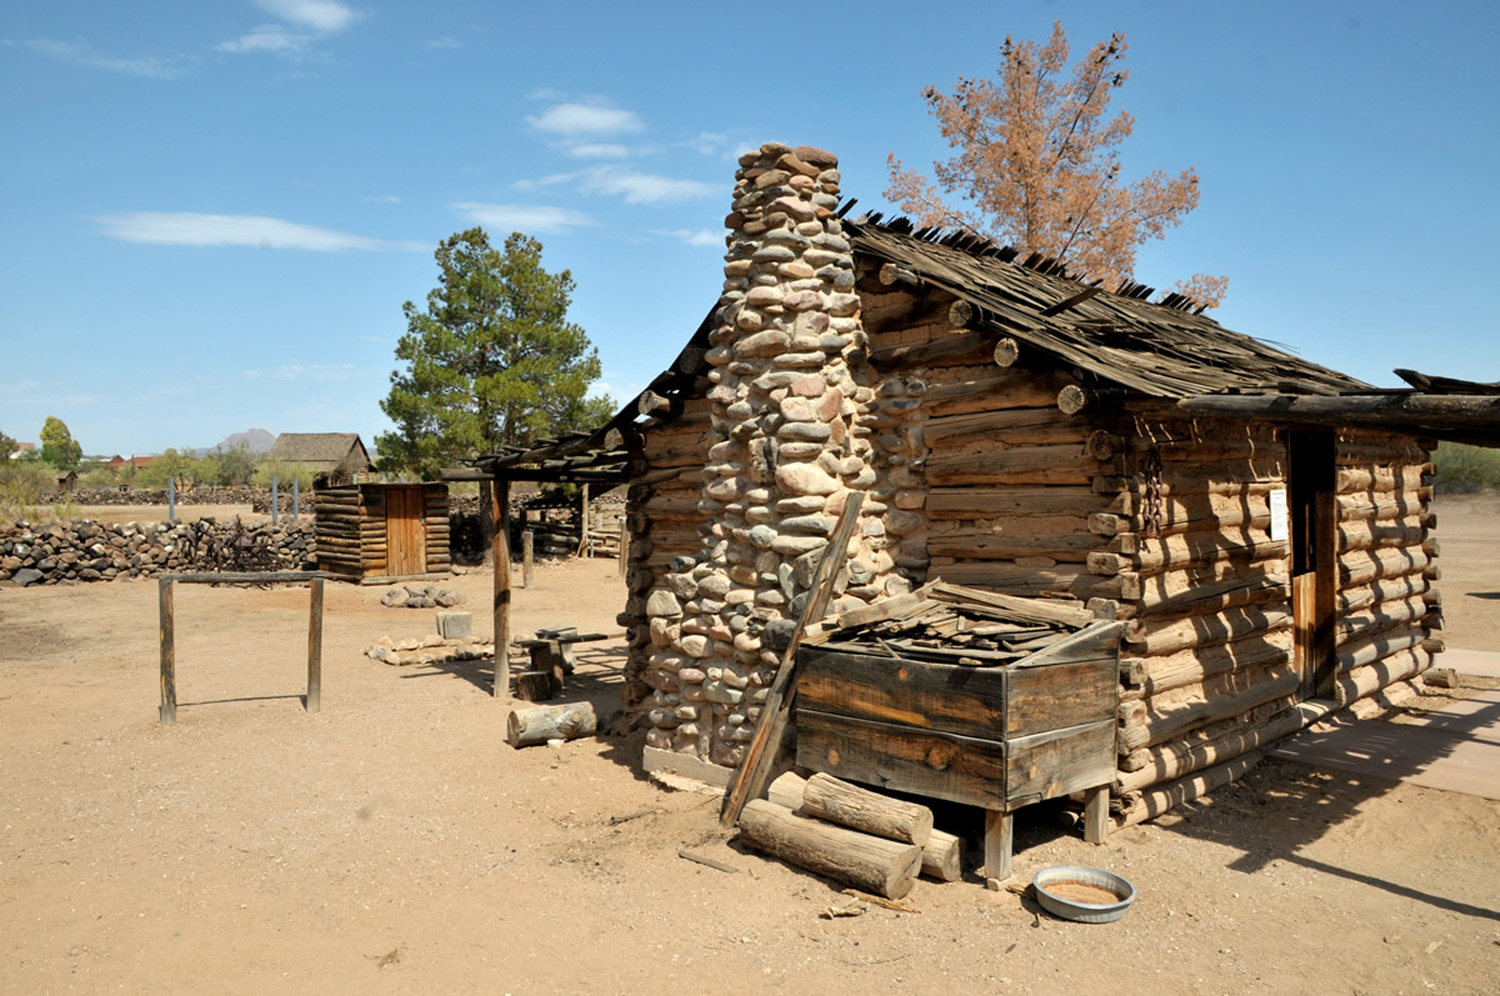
{"x":1313,"y":514}
{"x":405,"y":530}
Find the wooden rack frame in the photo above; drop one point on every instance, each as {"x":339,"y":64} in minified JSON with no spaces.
{"x":312,"y":701}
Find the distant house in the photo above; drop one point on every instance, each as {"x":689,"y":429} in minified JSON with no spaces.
{"x":333,"y":457}
{"x":67,"y":482}
{"x":23,"y":449}
{"x":118,"y":462}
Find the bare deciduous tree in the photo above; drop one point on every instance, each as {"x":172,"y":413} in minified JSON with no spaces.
{"x":1038,"y":161}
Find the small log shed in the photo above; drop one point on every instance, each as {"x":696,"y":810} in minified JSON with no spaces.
{"x":381,"y":533}
{"x":1262,"y":525}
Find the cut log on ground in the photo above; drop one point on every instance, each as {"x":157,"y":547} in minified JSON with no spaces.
{"x":874,"y":864}
{"x":942,"y":855}
{"x":538,"y":724}
{"x":838,"y":801}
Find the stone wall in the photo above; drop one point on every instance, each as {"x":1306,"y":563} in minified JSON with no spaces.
{"x":799,"y":422}
{"x":69,"y":552}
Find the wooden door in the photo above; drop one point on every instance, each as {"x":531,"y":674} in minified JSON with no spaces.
{"x":1313,"y":536}
{"x":405,"y":531}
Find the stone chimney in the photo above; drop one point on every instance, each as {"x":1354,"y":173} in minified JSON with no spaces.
{"x":788,"y":395}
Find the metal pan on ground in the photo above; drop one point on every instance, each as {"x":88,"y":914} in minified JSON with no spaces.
{"x":1086,"y":895}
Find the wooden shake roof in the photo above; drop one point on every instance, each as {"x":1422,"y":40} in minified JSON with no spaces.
{"x":318,"y":450}
{"x":1166,"y":350}
{"x":1162,"y":350}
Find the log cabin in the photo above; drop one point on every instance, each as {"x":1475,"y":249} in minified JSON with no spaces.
{"x":382,"y":533}
{"x":1261,"y":525}
{"x":334,"y":458}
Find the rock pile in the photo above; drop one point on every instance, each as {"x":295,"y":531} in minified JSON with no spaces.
{"x":428,"y":650}
{"x":426,"y":597}
{"x":85,"y":550}
{"x":234,"y":494}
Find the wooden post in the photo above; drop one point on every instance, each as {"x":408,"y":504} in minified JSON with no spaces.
{"x":1096,"y":814}
{"x":314,"y":700}
{"x":999,"y":837}
{"x":168,"y":653}
{"x":500,"y":492}
{"x":624,"y":543}
{"x":487,"y":521}
{"x":528,"y":541}
{"x":583,"y":524}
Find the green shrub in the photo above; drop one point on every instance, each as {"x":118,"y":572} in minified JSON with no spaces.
{"x":285,"y":473}
{"x":1465,"y":470}
{"x":27,"y":487}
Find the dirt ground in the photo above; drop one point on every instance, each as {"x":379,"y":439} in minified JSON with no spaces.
{"x":392,"y":842}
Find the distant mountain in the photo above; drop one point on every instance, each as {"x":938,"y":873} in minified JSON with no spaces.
{"x":259,"y":440}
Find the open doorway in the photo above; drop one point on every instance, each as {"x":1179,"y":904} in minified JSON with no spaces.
{"x":1313,"y":511}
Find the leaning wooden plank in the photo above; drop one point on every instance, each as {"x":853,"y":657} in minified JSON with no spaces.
{"x":538,"y":724}
{"x":897,"y":607}
{"x":760,"y":754}
{"x":884,"y":867}
{"x":833,"y":799}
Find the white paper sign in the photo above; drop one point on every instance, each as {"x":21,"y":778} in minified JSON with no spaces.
{"x":1278,"y":515}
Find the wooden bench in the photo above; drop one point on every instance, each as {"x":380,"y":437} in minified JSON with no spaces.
{"x":551,"y":658}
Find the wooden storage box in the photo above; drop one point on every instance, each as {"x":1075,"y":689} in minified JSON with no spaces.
{"x":997,"y":737}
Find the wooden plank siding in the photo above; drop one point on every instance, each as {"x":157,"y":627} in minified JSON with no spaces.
{"x":355,"y":540}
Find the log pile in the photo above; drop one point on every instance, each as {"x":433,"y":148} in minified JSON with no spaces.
{"x":942,"y":852}
{"x":851,"y":834}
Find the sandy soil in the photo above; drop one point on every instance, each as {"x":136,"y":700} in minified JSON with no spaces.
{"x":392,"y":842}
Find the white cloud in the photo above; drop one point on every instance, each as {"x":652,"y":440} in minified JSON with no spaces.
{"x":182,"y":228}
{"x":81,"y":53}
{"x":693,"y":236}
{"x":445,"y":42}
{"x":383,"y":199}
{"x":574,"y":119}
{"x":709,"y":142}
{"x":529,"y":218}
{"x":632,"y":185}
{"x":643,"y":188}
{"x":598,"y":150}
{"x":304,"y":21}
{"x":266,"y":38}
{"x":550,"y":180}
{"x":320,"y":15}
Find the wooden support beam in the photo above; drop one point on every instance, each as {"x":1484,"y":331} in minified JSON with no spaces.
{"x":167,"y":635}
{"x":500,"y":605}
{"x":314,"y":700}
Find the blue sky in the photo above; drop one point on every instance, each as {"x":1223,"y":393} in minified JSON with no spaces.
{"x":211,"y":213}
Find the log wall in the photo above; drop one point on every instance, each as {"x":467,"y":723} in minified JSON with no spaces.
{"x":351,"y":538}
{"x":1170,"y":518}
{"x":664,"y":520}
{"x":1209,"y":672}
